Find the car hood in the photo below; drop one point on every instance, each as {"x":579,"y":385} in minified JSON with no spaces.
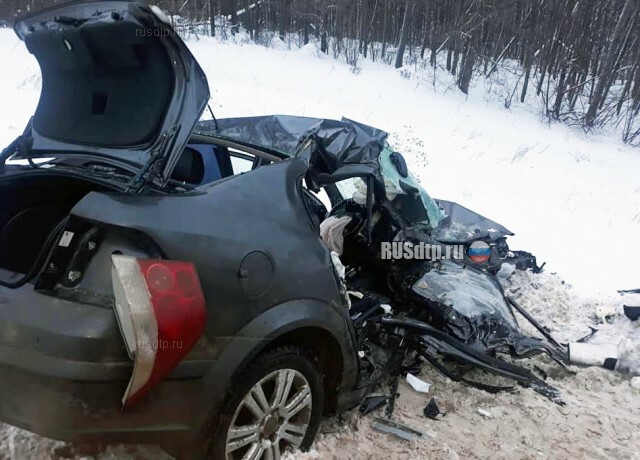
{"x":462,"y":225}
{"x":117,"y":82}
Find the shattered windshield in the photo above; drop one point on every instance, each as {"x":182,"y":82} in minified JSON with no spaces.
{"x":354,"y":189}
{"x":431,"y":214}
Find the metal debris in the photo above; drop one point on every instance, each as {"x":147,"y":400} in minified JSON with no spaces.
{"x":387,"y":426}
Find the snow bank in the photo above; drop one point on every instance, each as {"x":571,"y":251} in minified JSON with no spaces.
{"x":570,"y":317}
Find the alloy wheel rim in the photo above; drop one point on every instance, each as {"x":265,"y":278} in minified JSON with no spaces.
{"x":272,"y":417}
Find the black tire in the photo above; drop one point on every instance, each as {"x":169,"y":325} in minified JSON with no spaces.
{"x":287,"y":357}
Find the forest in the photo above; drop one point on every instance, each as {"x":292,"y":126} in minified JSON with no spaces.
{"x":579,"y":59}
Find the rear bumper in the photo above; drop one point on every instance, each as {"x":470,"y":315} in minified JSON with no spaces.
{"x":90,"y":411}
{"x":64,"y":370}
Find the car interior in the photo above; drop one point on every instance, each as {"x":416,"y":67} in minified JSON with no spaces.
{"x":202,"y":164}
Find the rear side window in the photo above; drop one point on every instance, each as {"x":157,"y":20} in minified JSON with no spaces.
{"x":241,"y":162}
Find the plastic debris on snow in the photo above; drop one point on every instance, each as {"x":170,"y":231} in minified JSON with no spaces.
{"x":418,"y":385}
{"x":484,"y":413}
{"x":372,"y":403}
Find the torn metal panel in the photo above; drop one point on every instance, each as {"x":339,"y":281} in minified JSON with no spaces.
{"x":461,"y":225}
{"x":397,"y":429}
{"x":469,"y":303}
{"x":337,"y":150}
{"x":274,"y":132}
{"x":341,"y":144}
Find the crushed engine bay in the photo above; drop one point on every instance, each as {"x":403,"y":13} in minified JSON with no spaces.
{"x":451,"y":312}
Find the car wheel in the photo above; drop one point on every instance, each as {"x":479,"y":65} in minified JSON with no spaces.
{"x":274,"y":405}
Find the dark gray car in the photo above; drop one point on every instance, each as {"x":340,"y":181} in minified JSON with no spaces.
{"x":165,"y":281}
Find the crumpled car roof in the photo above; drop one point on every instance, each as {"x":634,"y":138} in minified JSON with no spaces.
{"x":346,"y":147}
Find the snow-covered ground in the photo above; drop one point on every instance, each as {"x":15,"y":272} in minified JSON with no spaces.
{"x":572,"y":200}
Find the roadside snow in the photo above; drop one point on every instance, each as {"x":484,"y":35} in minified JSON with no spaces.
{"x":573,"y":201}
{"x":601,"y":419}
{"x":569,"y":317}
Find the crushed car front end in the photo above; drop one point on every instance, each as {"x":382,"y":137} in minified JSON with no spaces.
{"x":452,"y":310}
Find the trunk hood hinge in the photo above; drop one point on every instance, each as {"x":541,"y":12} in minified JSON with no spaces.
{"x":153,"y":168}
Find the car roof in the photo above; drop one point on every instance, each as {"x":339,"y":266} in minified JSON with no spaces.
{"x":333,"y":148}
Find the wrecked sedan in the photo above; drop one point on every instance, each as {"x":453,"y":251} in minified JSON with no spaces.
{"x":215,"y":287}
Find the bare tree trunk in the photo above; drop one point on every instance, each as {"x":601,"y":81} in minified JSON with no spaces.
{"x":284,"y":18}
{"x":466,"y":70}
{"x":559,"y":94}
{"x":607,"y":66}
{"x":527,"y":75}
{"x":324,"y":46}
{"x":403,"y":35}
{"x":212,"y":17}
{"x":234,"y":16}
{"x":385,"y":27}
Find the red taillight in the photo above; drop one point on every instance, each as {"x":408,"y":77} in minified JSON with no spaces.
{"x":161,"y":312}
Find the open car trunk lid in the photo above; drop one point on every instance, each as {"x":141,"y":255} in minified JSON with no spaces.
{"x":117,"y":82}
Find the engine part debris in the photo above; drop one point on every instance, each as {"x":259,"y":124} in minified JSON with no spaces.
{"x":588,"y":336}
{"x":605,"y":314}
{"x":435,"y":345}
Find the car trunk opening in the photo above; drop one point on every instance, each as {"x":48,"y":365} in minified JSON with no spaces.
{"x":107,"y":83}
{"x":32,"y":207}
